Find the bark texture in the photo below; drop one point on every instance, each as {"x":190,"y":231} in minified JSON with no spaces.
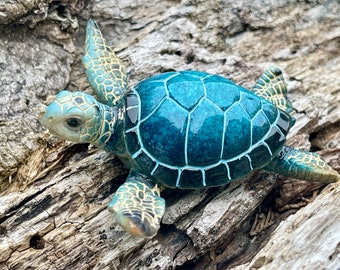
{"x":54,"y":194}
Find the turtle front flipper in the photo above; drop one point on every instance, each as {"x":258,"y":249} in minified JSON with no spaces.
{"x":137,"y":206}
{"x":105,"y":72}
{"x":302,"y":165}
{"x":272,"y":87}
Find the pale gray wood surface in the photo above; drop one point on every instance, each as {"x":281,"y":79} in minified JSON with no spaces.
{"x":54,"y":195}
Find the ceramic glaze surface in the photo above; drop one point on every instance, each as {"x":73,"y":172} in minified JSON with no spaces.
{"x":191,"y":129}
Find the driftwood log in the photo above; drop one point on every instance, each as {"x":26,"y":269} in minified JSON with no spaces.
{"x":54,"y":194}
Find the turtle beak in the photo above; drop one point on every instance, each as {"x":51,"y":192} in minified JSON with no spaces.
{"x":48,"y":118}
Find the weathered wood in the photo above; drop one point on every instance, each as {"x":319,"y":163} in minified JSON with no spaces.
{"x":308,"y":239}
{"x":54,"y":195}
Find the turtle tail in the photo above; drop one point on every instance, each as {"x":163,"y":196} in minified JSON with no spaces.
{"x":302,"y":165}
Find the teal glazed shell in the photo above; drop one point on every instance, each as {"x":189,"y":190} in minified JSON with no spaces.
{"x":191,"y":129}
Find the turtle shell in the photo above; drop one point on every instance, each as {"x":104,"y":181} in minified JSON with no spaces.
{"x":191,"y":129}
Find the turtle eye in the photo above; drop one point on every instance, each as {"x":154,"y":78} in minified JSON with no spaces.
{"x":73,"y":122}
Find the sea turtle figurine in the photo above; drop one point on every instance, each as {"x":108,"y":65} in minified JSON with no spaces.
{"x":186,"y":129}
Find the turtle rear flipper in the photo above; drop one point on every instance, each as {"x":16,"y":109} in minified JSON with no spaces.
{"x":105,"y":72}
{"x":137,"y":206}
{"x":272,"y":87}
{"x":302,"y":165}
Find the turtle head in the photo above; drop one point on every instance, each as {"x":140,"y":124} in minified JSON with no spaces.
{"x":74,"y":116}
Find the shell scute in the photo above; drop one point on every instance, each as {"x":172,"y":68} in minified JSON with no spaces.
{"x":260,"y":156}
{"x":275,"y":139}
{"x":132,"y":142}
{"x":250,"y":103}
{"x":151,"y":94}
{"x":217,"y":175}
{"x":190,"y":178}
{"x":148,"y":163}
{"x":237,"y":137}
{"x":163,"y":133}
{"x":180,"y":89}
{"x":269,"y":110}
{"x":223,"y":93}
{"x":260,"y":127}
{"x":165,"y":176}
{"x":239,"y":167}
{"x":205,"y":134}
